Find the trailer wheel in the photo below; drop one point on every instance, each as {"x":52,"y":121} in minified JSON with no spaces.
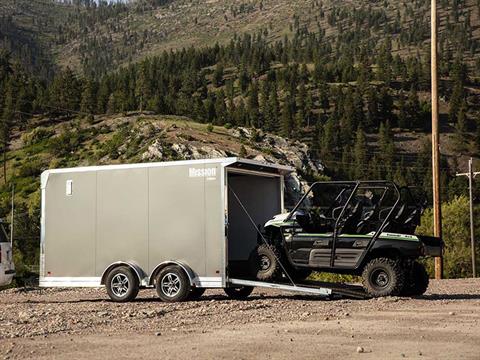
{"x":196,"y":293}
{"x":383,"y":277}
{"x":172,"y":284}
{"x":238,"y":293}
{"x":122,"y":284}
{"x":264,"y":263}
{"x":417,"y":280}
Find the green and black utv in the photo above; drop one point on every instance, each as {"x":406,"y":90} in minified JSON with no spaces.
{"x":363,"y":228}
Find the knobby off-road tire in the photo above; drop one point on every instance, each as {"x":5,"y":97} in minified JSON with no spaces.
{"x":122,"y":284}
{"x":383,"y":277}
{"x":238,"y":293}
{"x":264,"y":263}
{"x":172,"y":284}
{"x":417,"y":280}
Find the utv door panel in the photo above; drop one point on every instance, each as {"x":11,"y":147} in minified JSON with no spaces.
{"x":347,"y":257}
{"x":302,"y":246}
{"x":320,"y":258}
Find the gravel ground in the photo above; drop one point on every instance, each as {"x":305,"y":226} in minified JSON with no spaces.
{"x":82,"y":323}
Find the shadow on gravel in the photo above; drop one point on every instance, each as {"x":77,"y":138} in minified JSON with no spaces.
{"x":449,"y":297}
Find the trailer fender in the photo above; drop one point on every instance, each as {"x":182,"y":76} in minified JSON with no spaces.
{"x":137,"y":270}
{"x":191,"y":275}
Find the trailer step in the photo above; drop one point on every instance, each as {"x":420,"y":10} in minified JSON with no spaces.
{"x":320,"y":291}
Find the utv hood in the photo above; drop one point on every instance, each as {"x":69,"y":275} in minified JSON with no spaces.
{"x":277,"y":220}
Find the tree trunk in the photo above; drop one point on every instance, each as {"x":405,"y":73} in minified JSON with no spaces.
{"x":5,"y":164}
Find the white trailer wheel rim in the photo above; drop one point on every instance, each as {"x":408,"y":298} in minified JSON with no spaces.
{"x":120,"y":285}
{"x":171,"y":284}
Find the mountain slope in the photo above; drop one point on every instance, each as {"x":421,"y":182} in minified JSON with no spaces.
{"x":103,"y":37}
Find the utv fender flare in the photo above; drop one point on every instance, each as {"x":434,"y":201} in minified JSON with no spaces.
{"x":137,"y":270}
{"x":191,"y":275}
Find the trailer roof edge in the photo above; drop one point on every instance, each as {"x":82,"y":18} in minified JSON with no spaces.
{"x":224,"y":161}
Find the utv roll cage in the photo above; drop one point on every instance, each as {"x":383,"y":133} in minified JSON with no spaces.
{"x":351,"y":220}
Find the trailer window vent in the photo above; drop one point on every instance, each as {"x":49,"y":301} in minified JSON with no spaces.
{"x":69,"y":188}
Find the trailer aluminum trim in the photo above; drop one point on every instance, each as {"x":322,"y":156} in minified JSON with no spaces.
{"x":321,"y":291}
{"x":209,"y":282}
{"x":70,"y":282}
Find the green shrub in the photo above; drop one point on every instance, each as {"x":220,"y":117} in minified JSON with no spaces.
{"x":456,"y":236}
{"x":65,"y":143}
{"x":37,"y":135}
{"x":32,"y":167}
{"x":329,"y":277}
{"x":210,"y":127}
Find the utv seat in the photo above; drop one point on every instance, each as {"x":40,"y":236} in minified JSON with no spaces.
{"x":351,"y":222}
{"x":320,"y":224}
{"x":368,"y":221}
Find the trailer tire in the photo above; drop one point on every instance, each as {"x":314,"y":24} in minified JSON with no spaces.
{"x":383,"y":277}
{"x":196,"y":293}
{"x":172,"y":284}
{"x":417,"y":280}
{"x":238,"y":293}
{"x":264,"y":263}
{"x":122,"y":284}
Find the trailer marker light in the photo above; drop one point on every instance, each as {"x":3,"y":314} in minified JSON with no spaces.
{"x":69,"y":187}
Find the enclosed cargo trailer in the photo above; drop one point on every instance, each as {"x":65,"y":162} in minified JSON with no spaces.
{"x":173,"y":225}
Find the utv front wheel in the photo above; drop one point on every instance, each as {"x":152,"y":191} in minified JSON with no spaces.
{"x":417,"y":280}
{"x":264,"y":263}
{"x":383,"y":277}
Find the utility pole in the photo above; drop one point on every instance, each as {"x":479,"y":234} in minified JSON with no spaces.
{"x":12,"y":216}
{"x":437,"y":212}
{"x":471,"y":175}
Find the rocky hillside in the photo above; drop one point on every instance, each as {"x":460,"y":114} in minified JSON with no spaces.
{"x":142,"y":138}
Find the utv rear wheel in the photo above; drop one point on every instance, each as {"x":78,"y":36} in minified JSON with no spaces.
{"x":238,"y":293}
{"x":383,"y":277}
{"x":172,"y":284}
{"x":417,"y":280}
{"x":264,"y":263}
{"x":122,"y":284}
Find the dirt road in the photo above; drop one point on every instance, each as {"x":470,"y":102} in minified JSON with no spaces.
{"x":80,"y":324}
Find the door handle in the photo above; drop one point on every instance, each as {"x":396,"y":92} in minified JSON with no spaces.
{"x":323,"y":242}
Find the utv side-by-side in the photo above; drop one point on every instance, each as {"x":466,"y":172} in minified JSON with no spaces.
{"x":363,"y":228}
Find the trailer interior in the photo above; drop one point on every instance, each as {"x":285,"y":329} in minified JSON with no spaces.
{"x":253,"y":197}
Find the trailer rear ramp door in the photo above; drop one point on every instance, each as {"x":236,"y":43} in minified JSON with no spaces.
{"x":321,"y":289}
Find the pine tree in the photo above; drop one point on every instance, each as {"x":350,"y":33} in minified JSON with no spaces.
{"x":323,"y":97}
{"x":218,"y":75}
{"x":220,"y":108}
{"x":243,"y":79}
{"x":273,"y":110}
{"x":402,"y":112}
{"x":6,"y":125}
{"x":360,"y":155}
{"x":253,"y":106}
{"x":287,"y":118}
{"x":89,"y":95}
